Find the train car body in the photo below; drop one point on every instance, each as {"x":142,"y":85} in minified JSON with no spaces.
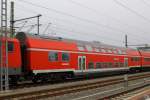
{"x":14,"y":56}
{"x":50,"y":56}
{"x":36,"y":57}
{"x":145,"y":60}
{"x":134,"y":59}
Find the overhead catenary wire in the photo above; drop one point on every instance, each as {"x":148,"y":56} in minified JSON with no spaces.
{"x":70,"y":31}
{"x":99,"y":13}
{"x":89,"y":22}
{"x":100,"y":35}
{"x":94,"y":10}
{"x":144,"y":2}
{"x":70,"y":22}
{"x":76,"y":17}
{"x":85,"y":33}
{"x":79,"y":32}
{"x":44,"y":32}
{"x":132,"y":11}
{"x":20,"y":28}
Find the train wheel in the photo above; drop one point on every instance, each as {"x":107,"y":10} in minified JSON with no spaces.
{"x":13,"y":80}
{"x":35,"y":79}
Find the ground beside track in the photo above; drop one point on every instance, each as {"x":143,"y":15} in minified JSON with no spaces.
{"x":142,"y":94}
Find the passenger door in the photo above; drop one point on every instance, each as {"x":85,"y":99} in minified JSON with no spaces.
{"x":125,"y":62}
{"x":82,"y":62}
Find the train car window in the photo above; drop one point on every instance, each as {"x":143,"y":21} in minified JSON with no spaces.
{"x":53,"y":56}
{"x":138,"y":58}
{"x":81,"y":48}
{"x":119,"y":51}
{"x":121,"y":64}
{"x":89,"y":48}
{"x":124,"y":52}
{"x":105,"y":65}
{"x":65,"y":56}
{"x":10,"y":46}
{"x":116,"y":64}
{"x":110,"y":65}
{"x":103,"y":50}
{"x":91,"y":65}
{"x":146,"y":59}
{"x":97,"y":50}
{"x":115,"y":52}
{"x":98,"y":65}
{"x":134,"y":59}
{"x":109,"y":51}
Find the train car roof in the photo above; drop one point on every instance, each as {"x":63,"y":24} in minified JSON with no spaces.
{"x":145,"y":53}
{"x":23,"y":36}
{"x":33,"y":41}
{"x":39,"y":41}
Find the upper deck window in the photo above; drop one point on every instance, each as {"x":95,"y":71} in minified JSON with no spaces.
{"x":89,"y":48}
{"x":103,"y":50}
{"x":119,"y":51}
{"x":96,"y":50}
{"x":124,"y":52}
{"x":114,"y":51}
{"x":109,"y":51}
{"x":80,"y":48}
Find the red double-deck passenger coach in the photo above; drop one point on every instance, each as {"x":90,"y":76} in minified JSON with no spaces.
{"x":41,"y":58}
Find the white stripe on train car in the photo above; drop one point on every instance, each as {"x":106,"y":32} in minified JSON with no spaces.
{"x":79,"y":71}
{"x":135,"y":66}
{"x":52,"y":70}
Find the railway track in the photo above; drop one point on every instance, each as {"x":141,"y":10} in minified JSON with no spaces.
{"x":59,"y":91}
{"x":128,"y":94}
{"x":28,"y":84}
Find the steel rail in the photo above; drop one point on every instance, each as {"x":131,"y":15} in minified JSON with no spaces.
{"x":69,"y":89}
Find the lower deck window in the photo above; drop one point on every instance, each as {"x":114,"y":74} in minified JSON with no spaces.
{"x":98,"y":65}
{"x":110,"y":65}
{"x":105,"y":65}
{"x":116,"y":64}
{"x":121,"y":64}
{"x":91,"y":65}
{"x":65,"y":57}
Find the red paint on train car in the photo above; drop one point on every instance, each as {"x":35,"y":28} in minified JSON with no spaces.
{"x":14,"y":56}
{"x":37,"y":54}
{"x":145,"y":58}
{"x":133,"y":53}
{"x":39,"y":49}
{"x":14,"y":53}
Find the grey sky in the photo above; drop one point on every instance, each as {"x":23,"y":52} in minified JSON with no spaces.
{"x":99,"y":20}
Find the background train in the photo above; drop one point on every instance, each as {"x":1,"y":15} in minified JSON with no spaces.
{"x":40,"y":58}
